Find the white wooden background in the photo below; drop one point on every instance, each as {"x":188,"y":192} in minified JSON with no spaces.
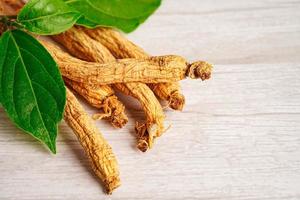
{"x":238,"y":137}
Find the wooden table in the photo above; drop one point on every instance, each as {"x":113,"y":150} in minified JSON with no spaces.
{"x":238,"y":137}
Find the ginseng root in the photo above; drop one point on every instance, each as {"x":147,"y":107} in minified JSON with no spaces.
{"x":102,"y":97}
{"x":159,"y":69}
{"x":84,"y":47}
{"x":121,"y":47}
{"x":100,"y":154}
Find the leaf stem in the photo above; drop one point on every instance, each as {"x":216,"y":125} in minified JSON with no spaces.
{"x":17,"y":24}
{"x":11,"y":16}
{"x":3,"y":24}
{"x":9,"y":22}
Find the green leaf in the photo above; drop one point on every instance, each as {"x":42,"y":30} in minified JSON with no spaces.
{"x":47,"y":17}
{"x":32,"y":91}
{"x":126,"y":15}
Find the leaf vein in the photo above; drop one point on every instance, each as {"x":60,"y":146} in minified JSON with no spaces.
{"x":46,"y":16}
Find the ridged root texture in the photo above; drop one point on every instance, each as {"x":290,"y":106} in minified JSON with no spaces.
{"x":90,"y":50}
{"x":121,"y":47}
{"x":161,"y":69}
{"x":153,"y":127}
{"x":100,"y":154}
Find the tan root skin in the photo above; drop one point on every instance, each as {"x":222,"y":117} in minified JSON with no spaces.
{"x":82,"y":46}
{"x":100,"y":154}
{"x":159,"y":69}
{"x":76,"y":40}
{"x":154,"y":125}
{"x":113,"y":109}
{"x":121,"y":47}
{"x":103,"y":96}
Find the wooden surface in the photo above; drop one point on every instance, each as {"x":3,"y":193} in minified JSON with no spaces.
{"x":238,"y":137}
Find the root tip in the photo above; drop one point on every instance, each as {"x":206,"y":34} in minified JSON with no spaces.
{"x":142,"y":146}
{"x":112,"y":183}
{"x":200,"y":69}
{"x":177,"y":101}
{"x":145,"y":135}
{"x":115,"y":112}
{"x":119,"y":121}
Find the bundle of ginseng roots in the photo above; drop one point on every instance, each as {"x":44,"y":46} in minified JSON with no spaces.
{"x":100,"y":61}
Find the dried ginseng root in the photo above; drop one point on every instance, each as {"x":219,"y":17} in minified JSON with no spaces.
{"x":121,"y":47}
{"x":100,"y":154}
{"x":84,"y":47}
{"x":104,"y":99}
{"x":103,"y":96}
{"x":159,"y":69}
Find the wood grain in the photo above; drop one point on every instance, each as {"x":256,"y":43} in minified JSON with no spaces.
{"x":238,"y":137}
